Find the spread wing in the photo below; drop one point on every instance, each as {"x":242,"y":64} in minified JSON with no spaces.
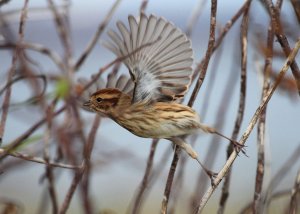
{"x":159,"y":57}
{"x":121,"y":82}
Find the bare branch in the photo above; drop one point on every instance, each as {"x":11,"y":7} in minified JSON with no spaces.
{"x":12,"y":71}
{"x":208,"y":54}
{"x":37,"y":160}
{"x":262,"y":126}
{"x":145,"y":181}
{"x":249,"y":129}
{"x":242,"y":103}
{"x":275,"y":18}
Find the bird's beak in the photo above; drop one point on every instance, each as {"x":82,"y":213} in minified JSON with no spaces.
{"x":87,"y":104}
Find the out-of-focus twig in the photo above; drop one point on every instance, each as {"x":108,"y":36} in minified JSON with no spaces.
{"x":18,"y":78}
{"x":95,"y":38}
{"x":295,"y":196}
{"x":39,"y":48}
{"x":155,"y":173}
{"x":49,"y":175}
{"x":76,"y":179}
{"x":63,"y":32}
{"x":277,"y":178}
{"x":261,"y":127}
{"x":194,"y":17}
{"x":222,"y":35}
{"x":276,"y":195}
{"x":296,"y":7}
{"x":143,"y":6}
{"x":12,"y":70}
{"x":278,"y":31}
{"x":230,"y":23}
{"x":38,"y":160}
{"x":145,"y":181}
{"x":249,"y":129}
{"x":85,"y":187}
{"x":88,"y":147}
{"x":14,"y":144}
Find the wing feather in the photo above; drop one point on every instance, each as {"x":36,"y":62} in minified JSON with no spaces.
{"x":125,"y":35}
{"x":161,"y":70}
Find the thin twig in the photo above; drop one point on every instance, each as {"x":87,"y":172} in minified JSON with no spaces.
{"x":283,"y":41}
{"x":39,"y":48}
{"x":296,"y":7}
{"x":260,"y":169}
{"x":87,"y":176}
{"x":214,"y":144}
{"x":37,"y":160}
{"x":230,"y":23}
{"x":179,"y":179}
{"x":249,"y":129}
{"x":62,"y":31}
{"x":208,"y":54}
{"x":222,"y":35}
{"x":88,"y":147}
{"x":178,"y":184}
{"x":18,"y":78}
{"x":51,"y":187}
{"x":156,"y":172}
{"x":164,"y":204}
{"x":48,"y":170}
{"x":143,"y":6}
{"x":241,"y":107}
{"x":280,"y":194}
{"x":277,"y":178}
{"x":76,"y":179}
{"x":145,"y":181}
{"x":194,"y":17}
{"x":12,"y":70}
{"x":15,"y":143}
{"x":215,"y":67}
{"x":295,"y":196}
{"x":191,"y":102}
{"x":95,"y":38}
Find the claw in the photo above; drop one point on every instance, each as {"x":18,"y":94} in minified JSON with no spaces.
{"x":212,"y":176}
{"x":212,"y":182}
{"x":239,"y":148}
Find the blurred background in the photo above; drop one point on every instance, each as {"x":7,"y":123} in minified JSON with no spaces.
{"x":118,"y":159}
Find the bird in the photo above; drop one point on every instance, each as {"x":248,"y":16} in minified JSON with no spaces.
{"x":159,"y":58}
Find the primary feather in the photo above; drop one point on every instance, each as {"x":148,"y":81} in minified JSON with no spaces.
{"x":159,"y":57}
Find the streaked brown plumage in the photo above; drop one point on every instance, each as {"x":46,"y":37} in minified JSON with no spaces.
{"x":157,"y":120}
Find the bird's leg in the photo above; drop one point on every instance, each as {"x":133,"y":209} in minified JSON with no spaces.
{"x":237,"y":146}
{"x":193,"y":154}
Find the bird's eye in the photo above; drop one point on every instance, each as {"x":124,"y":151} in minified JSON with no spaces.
{"x":99,"y":99}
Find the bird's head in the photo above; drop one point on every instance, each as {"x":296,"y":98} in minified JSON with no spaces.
{"x":108,"y":100}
